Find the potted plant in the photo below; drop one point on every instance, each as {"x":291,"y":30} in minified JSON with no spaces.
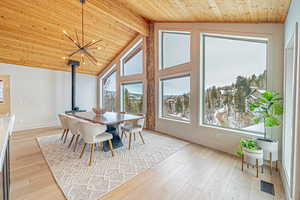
{"x":268,"y":108}
{"x":251,"y":153}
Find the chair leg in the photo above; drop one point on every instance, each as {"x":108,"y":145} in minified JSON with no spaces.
{"x":140,"y":133}
{"x":122,"y":135}
{"x":111,"y":148}
{"x":271,"y":162}
{"x":242,"y":158}
{"x":134,"y":136}
{"x":91,"y":154}
{"x":129,"y":140}
{"x":83,"y":149}
{"x":71,"y":141}
{"x":257,"y":168}
{"x":63,"y":134}
{"x":66,"y":135}
{"x":76,"y":142}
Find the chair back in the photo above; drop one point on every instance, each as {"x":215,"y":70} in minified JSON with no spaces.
{"x":140,"y":122}
{"x":63,"y":120}
{"x":73,"y":125}
{"x":89,"y":131}
{"x":11,"y":124}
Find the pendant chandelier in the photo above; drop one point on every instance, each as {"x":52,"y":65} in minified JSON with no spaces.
{"x":82,"y":47}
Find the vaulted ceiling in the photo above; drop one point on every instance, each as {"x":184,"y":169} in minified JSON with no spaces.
{"x":31,"y":30}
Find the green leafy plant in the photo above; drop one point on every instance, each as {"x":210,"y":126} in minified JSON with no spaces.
{"x":267,"y":109}
{"x":250,"y":144}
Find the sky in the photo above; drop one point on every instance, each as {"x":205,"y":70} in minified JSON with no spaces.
{"x":226,"y":59}
{"x":134,"y":65}
{"x":110,"y":84}
{"x":134,"y":88}
{"x":178,"y":86}
{"x":1,"y":91}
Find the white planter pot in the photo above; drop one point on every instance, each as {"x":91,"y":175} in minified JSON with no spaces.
{"x":250,"y":156}
{"x":269,"y":147}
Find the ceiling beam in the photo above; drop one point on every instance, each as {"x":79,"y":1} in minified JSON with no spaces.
{"x":119,"y":12}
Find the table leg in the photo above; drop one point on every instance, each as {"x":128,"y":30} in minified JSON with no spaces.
{"x":116,"y":140}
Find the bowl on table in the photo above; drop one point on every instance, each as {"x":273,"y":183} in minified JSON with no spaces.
{"x":99,"y":111}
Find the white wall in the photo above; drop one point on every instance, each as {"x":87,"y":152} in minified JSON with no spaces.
{"x":292,"y":18}
{"x":290,"y":23}
{"x":38,"y":95}
{"x":221,"y":139}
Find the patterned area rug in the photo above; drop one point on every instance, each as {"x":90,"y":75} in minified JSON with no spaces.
{"x":78,"y":181}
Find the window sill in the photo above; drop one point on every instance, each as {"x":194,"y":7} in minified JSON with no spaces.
{"x":175,"y":120}
{"x":234,"y":131}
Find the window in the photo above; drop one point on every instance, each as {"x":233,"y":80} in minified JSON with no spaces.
{"x":133,"y":62}
{"x":175,"y":93}
{"x":234,"y":72}
{"x":1,"y":91}
{"x":132,"y":97}
{"x":109,"y":91}
{"x":175,"y":48}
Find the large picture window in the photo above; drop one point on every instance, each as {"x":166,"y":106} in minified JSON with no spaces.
{"x":175,"y":93}
{"x":175,"y":48}
{"x":235,"y":69}
{"x":132,"y":97}
{"x":109,"y":92}
{"x":133,"y":63}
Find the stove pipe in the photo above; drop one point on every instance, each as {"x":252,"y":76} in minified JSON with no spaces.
{"x":74,"y":64}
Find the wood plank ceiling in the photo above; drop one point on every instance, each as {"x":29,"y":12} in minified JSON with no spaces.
{"x":241,"y":11}
{"x":31,"y":33}
{"x":31,"y":30}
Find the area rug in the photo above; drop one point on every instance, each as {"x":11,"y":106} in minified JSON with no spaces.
{"x":78,"y":181}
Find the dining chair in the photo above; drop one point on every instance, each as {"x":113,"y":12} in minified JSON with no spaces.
{"x":121,"y":125}
{"x":63,"y":121}
{"x":136,"y":127}
{"x":73,"y":125}
{"x":93,"y":134}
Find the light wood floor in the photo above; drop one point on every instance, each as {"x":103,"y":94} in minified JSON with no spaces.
{"x":193,"y":173}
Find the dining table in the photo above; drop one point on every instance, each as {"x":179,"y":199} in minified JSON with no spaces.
{"x":112,"y":120}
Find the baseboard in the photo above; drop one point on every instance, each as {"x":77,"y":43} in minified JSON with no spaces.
{"x":284,"y":182}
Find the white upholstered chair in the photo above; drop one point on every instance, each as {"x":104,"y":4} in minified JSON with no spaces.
{"x":135,"y":127}
{"x":93,"y":134}
{"x":64,"y":124}
{"x":73,"y":125}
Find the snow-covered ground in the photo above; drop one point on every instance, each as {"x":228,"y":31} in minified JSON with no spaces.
{"x":256,"y":127}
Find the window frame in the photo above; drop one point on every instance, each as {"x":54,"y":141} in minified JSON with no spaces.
{"x":122,"y":94}
{"x":105,"y":77}
{"x":171,"y":77}
{"x":232,"y":36}
{"x":161,"y":46}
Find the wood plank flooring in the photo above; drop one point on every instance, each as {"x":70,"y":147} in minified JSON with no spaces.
{"x":193,"y":173}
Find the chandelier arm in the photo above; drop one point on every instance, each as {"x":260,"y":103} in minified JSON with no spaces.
{"x":82,"y":27}
{"x":90,"y":59}
{"x":90,"y":55}
{"x":87,"y":45}
{"x":72,"y":40}
{"x":93,"y":48}
{"x":82,"y":59}
{"x":74,"y":53}
{"x":93,"y":43}
{"x":77,"y":38}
